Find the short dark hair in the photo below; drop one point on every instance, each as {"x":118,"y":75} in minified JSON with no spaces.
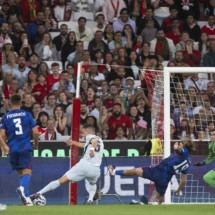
{"x":55,"y":64}
{"x":82,"y":18}
{"x":117,"y":104}
{"x":16,"y":99}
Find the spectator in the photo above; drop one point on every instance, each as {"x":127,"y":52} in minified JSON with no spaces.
{"x":210,"y":127}
{"x":13,"y":87}
{"x":38,"y":37}
{"x":46,"y":49}
{"x":203,"y":45}
{"x":95,"y":78}
{"x":76,"y":56}
{"x":208,"y":58}
{"x":149,"y":15}
{"x":181,"y":45}
{"x":149,"y":32}
{"x":63,"y":101}
{"x":124,"y":19}
{"x":109,"y":100}
{"x":7,"y":81}
{"x":104,"y":89}
{"x":173,"y":134}
{"x":83,"y":88}
{"x":69,"y":46}
{"x":50,"y":20}
{"x":134,"y":64}
{"x":188,"y":7}
{"x":25,"y":48}
{"x":36,"y":109}
{"x":28,"y":101}
{"x":162,"y":46}
{"x":139,"y":125}
{"x":51,"y":133}
{"x":210,"y":9}
{"x":83,"y":113}
{"x":60,"y":40}
{"x":174,"y":33}
{"x":44,"y":69}
{"x":116,"y":43}
{"x":96,"y":108}
{"x":122,"y":56}
{"x":21,"y":71}
{"x":209,"y":29}
{"x":10,"y":62}
{"x":191,"y":57}
{"x":138,"y":44}
{"x":90,"y":98}
{"x":64,"y":85}
{"x":119,"y":119}
{"x":111,"y":9}
{"x":192,"y":28}
{"x":120,"y":133}
{"x":100,"y":19}
{"x":51,"y":103}
{"x":42,"y":122}
{"x":179,"y":59}
{"x":82,"y":32}
{"x":161,"y":9}
{"x":192,"y":129}
{"x":29,"y":9}
{"x":128,"y":35}
{"x":40,"y":89}
{"x":31,"y":81}
{"x":7,"y":48}
{"x":97,"y":44}
{"x":32,"y":26}
{"x":201,"y":134}
{"x":108,"y":33}
{"x":145,"y":53}
{"x":173,"y":10}
{"x":60,"y":119}
{"x":34,"y":62}
{"x":143,"y":110}
{"x":91,"y":121}
{"x":55,"y":77}
{"x":211,"y":92}
{"x":60,"y":11}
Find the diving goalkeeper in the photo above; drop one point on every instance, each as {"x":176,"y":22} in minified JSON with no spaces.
{"x":209,"y":177}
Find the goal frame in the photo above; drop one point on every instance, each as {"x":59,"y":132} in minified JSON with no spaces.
{"x":167,"y":72}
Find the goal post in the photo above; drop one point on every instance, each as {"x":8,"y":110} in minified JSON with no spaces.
{"x":191,"y":194}
{"x":75,"y":130}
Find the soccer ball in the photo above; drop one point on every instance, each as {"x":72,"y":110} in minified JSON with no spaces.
{"x":40,"y":200}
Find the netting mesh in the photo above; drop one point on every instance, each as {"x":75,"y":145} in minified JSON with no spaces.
{"x":192,"y":114}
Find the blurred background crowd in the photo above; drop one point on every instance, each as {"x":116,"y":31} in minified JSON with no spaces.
{"x":41,"y":42}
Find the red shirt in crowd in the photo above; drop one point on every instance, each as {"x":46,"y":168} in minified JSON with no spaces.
{"x":113,"y":123}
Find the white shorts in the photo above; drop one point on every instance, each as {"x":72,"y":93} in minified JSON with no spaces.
{"x":86,"y":171}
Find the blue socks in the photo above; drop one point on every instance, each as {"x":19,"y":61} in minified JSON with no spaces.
{"x":24,"y":181}
{"x":119,"y":172}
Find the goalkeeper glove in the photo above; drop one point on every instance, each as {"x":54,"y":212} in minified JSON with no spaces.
{"x":199,"y":163}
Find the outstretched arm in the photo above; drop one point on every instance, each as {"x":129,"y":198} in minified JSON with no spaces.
{"x":182,"y":183}
{"x":70,"y":142}
{"x":4,"y":147}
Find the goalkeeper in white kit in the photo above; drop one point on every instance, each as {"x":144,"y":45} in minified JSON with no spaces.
{"x":87,"y":168}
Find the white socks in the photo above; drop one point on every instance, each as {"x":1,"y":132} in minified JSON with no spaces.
{"x":51,"y":186}
{"x":92,"y":191}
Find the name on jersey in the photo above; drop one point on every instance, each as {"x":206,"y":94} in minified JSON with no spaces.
{"x":16,"y":115}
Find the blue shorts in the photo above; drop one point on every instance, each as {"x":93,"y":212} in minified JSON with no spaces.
{"x":159,"y":177}
{"x":21,"y":160}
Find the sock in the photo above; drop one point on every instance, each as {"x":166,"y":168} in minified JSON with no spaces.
{"x":92,"y":191}
{"x":25,"y":181}
{"x":51,"y":186}
{"x":119,"y":172}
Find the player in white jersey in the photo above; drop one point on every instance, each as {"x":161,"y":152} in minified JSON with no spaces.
{"x":87,"y":168}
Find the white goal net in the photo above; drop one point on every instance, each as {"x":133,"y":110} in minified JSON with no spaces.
{"x":183,"y":104}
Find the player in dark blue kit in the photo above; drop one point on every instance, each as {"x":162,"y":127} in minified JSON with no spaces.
{"x":15,"y":128}
{"x":178,"y":162}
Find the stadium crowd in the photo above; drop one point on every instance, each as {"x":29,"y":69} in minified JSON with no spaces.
{"x":41,"y":42}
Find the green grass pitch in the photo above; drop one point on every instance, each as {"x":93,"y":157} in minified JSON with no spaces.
{"x":197,"y":209}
